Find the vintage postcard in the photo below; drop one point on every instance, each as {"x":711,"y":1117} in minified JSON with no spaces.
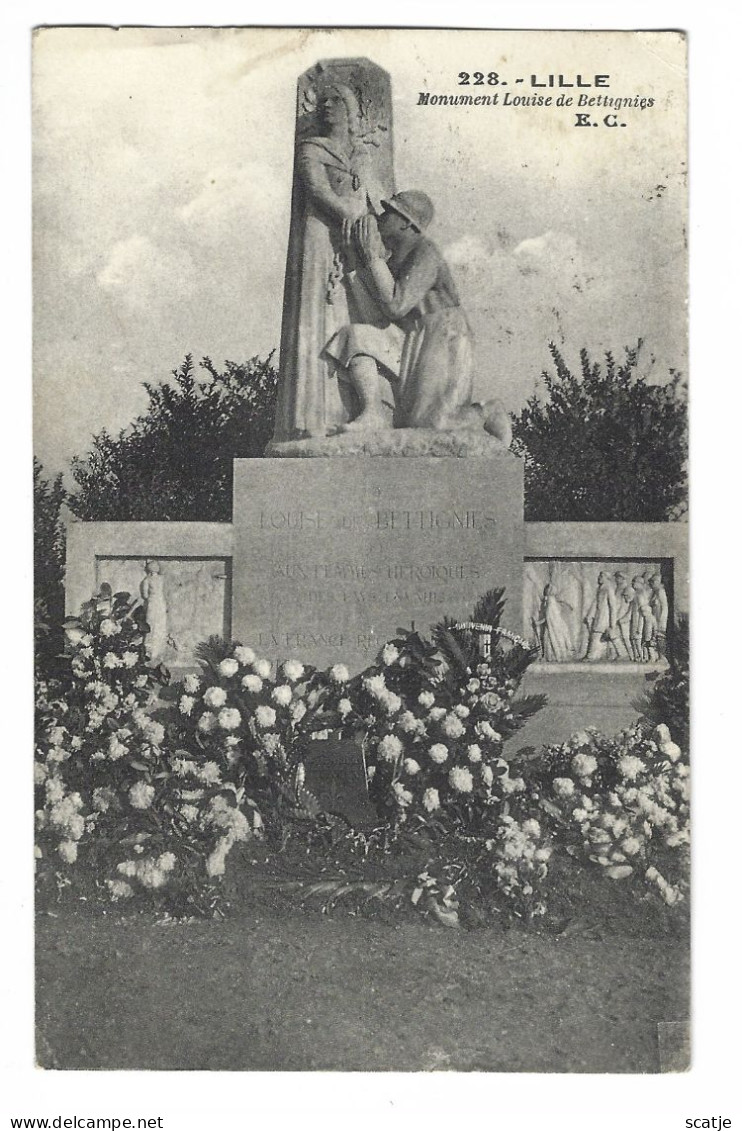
{"x":361,"y":550}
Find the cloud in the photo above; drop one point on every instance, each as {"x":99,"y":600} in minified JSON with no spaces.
{"x":234,"y":195}
{"x":140,"y":272}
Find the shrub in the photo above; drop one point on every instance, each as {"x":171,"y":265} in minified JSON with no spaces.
{"x":49,"y":543}
{"x":604,"y":446}
{"x":175,"y":460}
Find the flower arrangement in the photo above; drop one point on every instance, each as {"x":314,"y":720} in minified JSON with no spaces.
{"x":434,"y":715}
{"x":117,"y":807}
{"x":139,"y":800}
{"x":621,"y":803}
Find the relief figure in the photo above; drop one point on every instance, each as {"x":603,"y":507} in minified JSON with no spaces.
{"x":152,"y":592}
{"x":601,"y":621}
{"x":552,"y":630}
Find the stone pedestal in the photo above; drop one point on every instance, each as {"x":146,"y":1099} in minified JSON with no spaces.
{"x":332,"y":556}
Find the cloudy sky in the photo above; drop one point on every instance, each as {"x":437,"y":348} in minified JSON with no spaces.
{"x":162,"y":171}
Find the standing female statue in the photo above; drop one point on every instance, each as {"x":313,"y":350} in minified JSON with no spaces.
{"x":152,"y":592}
{"x":342,"y":168}
{"x":554,"y":634}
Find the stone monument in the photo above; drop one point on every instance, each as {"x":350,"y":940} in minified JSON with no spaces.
{"x":393,"y":498}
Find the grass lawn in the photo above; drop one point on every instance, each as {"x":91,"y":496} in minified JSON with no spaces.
{"x":275,"y":988}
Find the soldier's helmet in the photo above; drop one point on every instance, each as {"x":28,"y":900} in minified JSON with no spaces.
{"x":417,"y":207}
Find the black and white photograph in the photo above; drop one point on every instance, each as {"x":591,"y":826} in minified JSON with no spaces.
{"x":361,"y":550}
{"x":365,"y":422}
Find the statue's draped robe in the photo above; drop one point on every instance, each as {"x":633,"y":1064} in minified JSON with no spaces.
{"x":322,"y":292}
{"x":557,"y":642}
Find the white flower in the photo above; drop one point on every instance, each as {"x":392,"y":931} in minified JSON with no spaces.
{"x":293,"y":670}
{"x":631,"y":846}
{"x":189,"y":812}
{"x":487,"y":775}
{"x":252,"y":683}
{"x":671,"y":750}
{"x":485,"y":729}
{"x":244,"y":655}
{"x":68,"y":851}
{"x":228,"y":668}
{"x":389,"y":654}
{"x":282,"y":694}
{"x":39,"y":773}
{"x":532,"y":827}
{"x":339,"y":673}
{"x":411,"y":766}
{"x":403,"y":796}
{"x":662,"y":734}
{"x":437,"y":713}
{"x":127,"y":868}
{"x":375,"y":684}
{"x":207,"y":722}
{"x":183,"y":766}
{"x":116,"y":749}
{"x":167,"y":861}
{"x":462,"y":711}
{"x":390,"y":702}
{"x":452,"y":726}
{"x":109,"y":628}
{"x":265,"y":716}
{"x":563,"y":787}
{"x":150,"y":875}
{"x":426,"y":698}
{"x":75,"y":826}
{"x":209,"y":773}
{"x":298,"y":711}
{"x":187,"y":703}
{"x":141,"y":680}
{"x":474,"y":753}
{"x":431,"y":800}
{"x":390,"y":748}
{"x":263,"y":668}
{"x":191,"y":684}
{"x":461,"y":780}
{"x":438,"y":752}
{"x":229,"y":718}
{"x":581,"y":738}
{"x":345,"y":707}
{"x":119,"y":889}
{"x":584,"y":765}
{"x":630,"y":767}
{"x":542,"y":855}
{"x":141,"y":795}
{"x":271,"y":743}
{"x":154,"y":732}
{"x":215,"y":697}
{"x":473,"y":685}
{"x":111,"y":660}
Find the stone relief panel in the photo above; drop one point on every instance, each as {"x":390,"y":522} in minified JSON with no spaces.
{"x":186,"y":600}
{"x":597,"y":611}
